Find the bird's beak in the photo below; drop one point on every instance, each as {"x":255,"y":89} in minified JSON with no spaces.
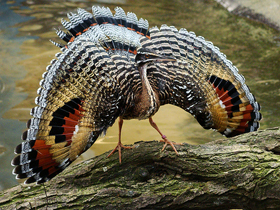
{"x":160,"y":58}
{"x":165,"y":59}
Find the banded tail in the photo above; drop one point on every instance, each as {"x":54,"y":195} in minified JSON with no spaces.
{"x":95,"y":79}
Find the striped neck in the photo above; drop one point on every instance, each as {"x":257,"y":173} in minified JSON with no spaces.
{"x":149,"y":102}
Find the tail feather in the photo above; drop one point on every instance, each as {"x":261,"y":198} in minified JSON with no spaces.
{"x":80,"y":94}
{"x":86,"y":17}
{"x":118,"y":34}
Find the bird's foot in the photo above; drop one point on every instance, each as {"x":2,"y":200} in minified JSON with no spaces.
{"x":166,"y":141}
{"x":119,"y":148}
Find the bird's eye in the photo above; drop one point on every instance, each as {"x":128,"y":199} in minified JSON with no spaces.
{"x":147,"y":56}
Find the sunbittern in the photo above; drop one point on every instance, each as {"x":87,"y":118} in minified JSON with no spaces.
{"x":111,"y":67}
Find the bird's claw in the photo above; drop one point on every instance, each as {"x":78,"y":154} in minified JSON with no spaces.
{"x":119,"y":148}
{"x":166,"y":141}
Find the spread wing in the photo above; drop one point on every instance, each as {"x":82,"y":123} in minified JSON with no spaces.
{"x":79,"y":99}
{"x":201,"y":81}
{"x":83,"y":91}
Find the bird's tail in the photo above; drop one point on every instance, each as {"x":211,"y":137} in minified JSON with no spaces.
{"x":118,"y":33}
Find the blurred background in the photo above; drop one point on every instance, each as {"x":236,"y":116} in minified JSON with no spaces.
{"x":246,"y":31}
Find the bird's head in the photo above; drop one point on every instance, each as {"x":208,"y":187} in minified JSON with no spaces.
{"x":146,"y":56}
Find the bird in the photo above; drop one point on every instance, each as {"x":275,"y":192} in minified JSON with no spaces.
{"x":115,"y":66}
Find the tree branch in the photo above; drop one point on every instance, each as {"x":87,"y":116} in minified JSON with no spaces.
{"x":240,"y":172}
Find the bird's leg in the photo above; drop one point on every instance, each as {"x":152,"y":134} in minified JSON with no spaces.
{"x":165,"y":140}
{"x":119,"y":145}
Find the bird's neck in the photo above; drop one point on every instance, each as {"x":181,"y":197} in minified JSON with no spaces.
{"x":149,"y":100}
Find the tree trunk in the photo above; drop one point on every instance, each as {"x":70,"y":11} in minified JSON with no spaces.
{"x":241,"y":172}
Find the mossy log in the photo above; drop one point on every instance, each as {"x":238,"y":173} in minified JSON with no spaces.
{"x":241,"y":172}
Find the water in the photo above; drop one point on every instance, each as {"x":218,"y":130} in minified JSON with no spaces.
{"x":26,"y":28}
{"x":10,"y":94}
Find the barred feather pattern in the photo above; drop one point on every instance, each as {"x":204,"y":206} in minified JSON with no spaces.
{"x":95,"y":79}
{"x":201,"y":81}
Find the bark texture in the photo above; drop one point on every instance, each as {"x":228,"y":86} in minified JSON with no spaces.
{"x":241,"y":172}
